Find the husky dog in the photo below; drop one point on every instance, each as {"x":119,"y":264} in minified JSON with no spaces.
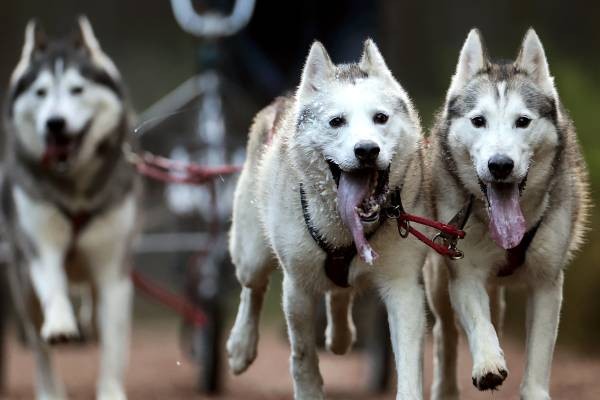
{"x":320,"y":165}
{"x":504,"y":138}
{"x":69,"y":199}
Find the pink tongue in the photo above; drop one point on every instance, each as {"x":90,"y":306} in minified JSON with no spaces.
{"x":352,"y":190}
{"x":56,"y":152}
{"x":507,"y":224}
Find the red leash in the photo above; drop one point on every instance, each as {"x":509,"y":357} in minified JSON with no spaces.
{"x":181,"y":306}
{"x":445,"y":249}
{"x":167,"y":170}
{"x":445,"y":241}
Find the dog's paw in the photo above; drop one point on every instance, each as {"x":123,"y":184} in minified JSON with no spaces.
{"x":446,"y":397}
{"x":489,"y":378}
{"x":310,"y":396}
{"x":241,"y":350}
{"x":60,"y":325}
{"x":441,"y":395}
{"x":534,"y":393}
{"x":46,"y":396}
{"x":111,"y":392}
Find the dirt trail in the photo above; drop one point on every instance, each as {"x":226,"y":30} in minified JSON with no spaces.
{"x":160,"y":371}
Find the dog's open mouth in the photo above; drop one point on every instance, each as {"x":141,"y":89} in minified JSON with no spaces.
{"x":361,"y":194}
{"x":507,"y":223}
{"x":60,"y":149}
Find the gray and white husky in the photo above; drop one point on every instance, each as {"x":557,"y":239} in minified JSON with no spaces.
{"x":504,"y":138}
{"x":69,"y":199}
{"x":319,"y":167}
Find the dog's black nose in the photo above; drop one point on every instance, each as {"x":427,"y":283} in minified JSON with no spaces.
{"x":56,"y":125}
{"x":500,"y":166}
{"x":366,"y":151}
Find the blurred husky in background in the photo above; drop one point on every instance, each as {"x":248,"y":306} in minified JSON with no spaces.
{"x":504,"y":138}
{"x":69,"y":201}
{"x":321,"y":165}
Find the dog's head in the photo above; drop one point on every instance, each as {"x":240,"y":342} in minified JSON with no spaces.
{"x":502,"y":128}
{"x":358,"y":122}
{"x":65,"y":97}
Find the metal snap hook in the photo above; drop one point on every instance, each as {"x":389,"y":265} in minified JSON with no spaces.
{"x":458,"y":254}
{"x":403,"y":228}
{"x":450,"y":244}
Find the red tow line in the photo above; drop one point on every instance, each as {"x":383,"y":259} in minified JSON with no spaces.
{"x":446,"y":231}
{"x":170,"y":171}
{"x":445,"y":241}
{"x":175,"y":302}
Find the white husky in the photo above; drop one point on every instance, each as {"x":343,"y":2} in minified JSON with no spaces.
{"x":312,"y":190}
{"x":504,"y":138}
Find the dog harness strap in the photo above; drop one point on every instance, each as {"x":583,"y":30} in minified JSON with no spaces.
{"x":338,"y":259}
{"x":79,"y":221}
{"x":515,"y":257}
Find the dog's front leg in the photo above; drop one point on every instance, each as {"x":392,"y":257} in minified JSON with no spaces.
{"x":471,"y":302}
{"x":404,"y":298}
{"x":543,"y":311}
{"x":445,"y":332}
{"x":114,"y":322}
{"x":49,"y":233}
{"x":106,"y":244}
{"x":48,"y":386}
{"x":299,"y":308}
{"x":51,"y":287}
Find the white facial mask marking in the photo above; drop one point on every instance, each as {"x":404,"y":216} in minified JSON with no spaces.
{"x":500,"y":135}
{"x":358,"y":103}
{"x":96,"y":104}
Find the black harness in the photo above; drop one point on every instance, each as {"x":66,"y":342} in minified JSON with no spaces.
{"x":515,"y":257}
{"x":338,"y":259}
{"x":337,"y":263}
{"x":79,"y":221}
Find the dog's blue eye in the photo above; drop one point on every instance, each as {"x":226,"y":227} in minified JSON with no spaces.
{"x":41,"y":92}
{"x":478,"y":121}
{"x":522,"y":122}
{"x":337,"y":122}
{"x":380,"y":118}
{"x":76,"y":90}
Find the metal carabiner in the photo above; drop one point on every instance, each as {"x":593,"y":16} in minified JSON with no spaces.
{"x":450,"y":244}
{"x":458,"y":254}
{"x":403,"y":228}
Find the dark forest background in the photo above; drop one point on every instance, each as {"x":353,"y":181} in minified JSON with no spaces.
{"x":420,"y":40}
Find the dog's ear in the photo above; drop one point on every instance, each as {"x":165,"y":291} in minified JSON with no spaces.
{"x":36,"y":42}
{"x":472,"y":59}
{"x":35,"y":39}
{"x":85,"y":39}
{"x":84,"y":36}
{"x":532,"y":60}
{"x":318,"y":70}
{"x":372,"y":61}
